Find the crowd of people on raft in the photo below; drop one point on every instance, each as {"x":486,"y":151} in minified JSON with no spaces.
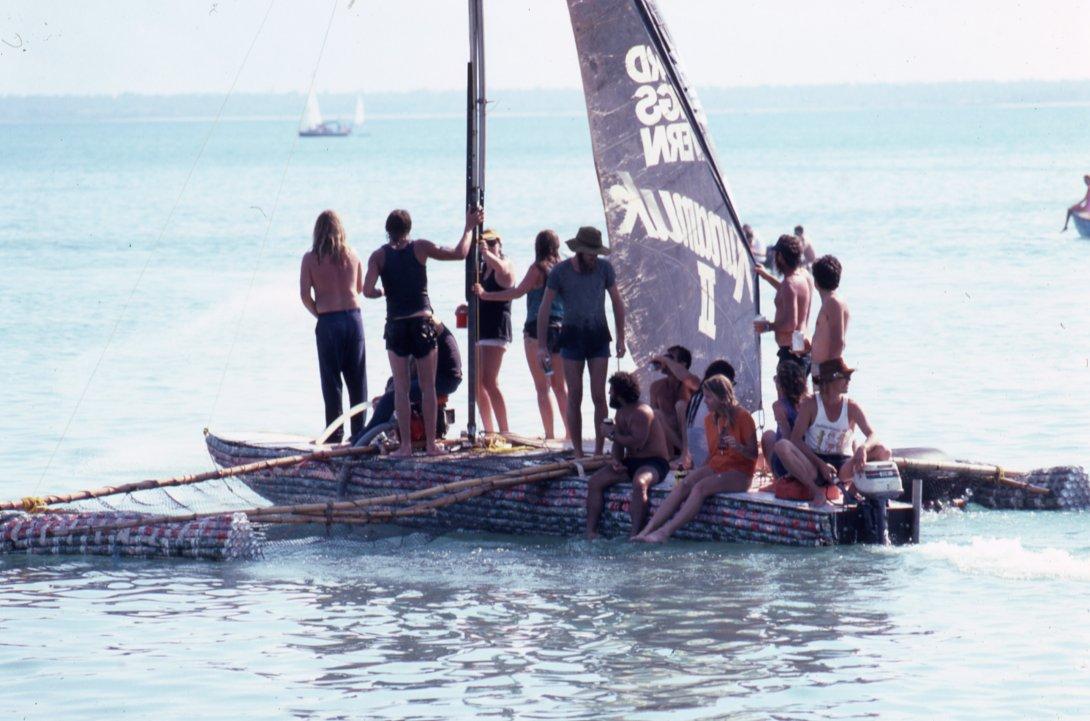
{"x":692,"y":423}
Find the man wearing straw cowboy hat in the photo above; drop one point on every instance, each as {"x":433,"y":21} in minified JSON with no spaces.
{"x":582,"y":283}
{"x":821,"y":450}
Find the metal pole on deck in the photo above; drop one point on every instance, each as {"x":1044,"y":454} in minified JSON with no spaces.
{"x":917,"y":508}
{"x":475,"y":143}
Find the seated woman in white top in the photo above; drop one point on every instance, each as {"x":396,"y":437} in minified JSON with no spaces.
{"x":821,"y":450}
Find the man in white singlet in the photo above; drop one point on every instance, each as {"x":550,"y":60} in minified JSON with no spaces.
{"x":821,"y":448}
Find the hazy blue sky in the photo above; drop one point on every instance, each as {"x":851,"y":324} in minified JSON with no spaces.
{"x":172,"y":46}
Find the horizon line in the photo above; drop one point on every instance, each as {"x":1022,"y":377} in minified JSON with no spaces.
{"x":571,"y":88}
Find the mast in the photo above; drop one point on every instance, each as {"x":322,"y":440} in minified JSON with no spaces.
{"x":475,"y":145}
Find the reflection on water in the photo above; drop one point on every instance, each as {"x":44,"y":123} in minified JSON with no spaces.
{"x":479,"y":626}
{"x":474,"y":626}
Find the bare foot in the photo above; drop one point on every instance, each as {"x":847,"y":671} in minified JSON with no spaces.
{"x":592,"y":535}
{"x":402,"y":453}
{"x":654,"y":537}
{"x":436,"y":451}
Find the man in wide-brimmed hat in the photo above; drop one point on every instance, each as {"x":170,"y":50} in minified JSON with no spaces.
{"x":582,"y":283}
{"x":822,"y":448}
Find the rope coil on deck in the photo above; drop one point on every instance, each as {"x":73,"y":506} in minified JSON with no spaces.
{"x":34,"y":504}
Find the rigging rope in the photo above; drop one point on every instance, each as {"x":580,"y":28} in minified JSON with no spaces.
{"x":159,"y":238}
{"x":268,"y":228}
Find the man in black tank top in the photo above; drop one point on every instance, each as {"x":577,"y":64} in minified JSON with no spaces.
{"x":410,"y":332}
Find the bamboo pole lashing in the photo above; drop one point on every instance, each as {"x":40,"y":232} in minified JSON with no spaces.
{"x":318,"y":511}
{"x":31,"y":503}
{"x":982,"y":472}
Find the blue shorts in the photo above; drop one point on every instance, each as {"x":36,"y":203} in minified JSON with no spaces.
{"x":581,"y":344}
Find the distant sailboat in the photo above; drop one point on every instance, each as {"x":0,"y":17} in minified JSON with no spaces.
{"x":357,"y":120}
{"x":312,"y":126}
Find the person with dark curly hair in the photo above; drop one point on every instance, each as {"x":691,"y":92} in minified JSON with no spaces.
{"x":791,"y":391}
{"x":639,"y":453}
{"x":792,"y":301}
{"x":832,"y":320}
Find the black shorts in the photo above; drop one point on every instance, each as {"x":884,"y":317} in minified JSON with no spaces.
{"x":414,"y":336}
{"x":552,"y":339}
{"x":836,"y":460}
{"x":785,"y":353}
{"x":660,"y":465}
{"x":581,"y":344}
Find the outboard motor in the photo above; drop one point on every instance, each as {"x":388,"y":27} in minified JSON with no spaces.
{"x":878,"y":483}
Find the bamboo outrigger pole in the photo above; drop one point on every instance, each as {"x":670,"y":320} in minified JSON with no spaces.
{"x":475,"y":145}
{"x":33,"y":503}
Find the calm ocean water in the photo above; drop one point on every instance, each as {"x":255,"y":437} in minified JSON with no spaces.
{"x":969,"y":329}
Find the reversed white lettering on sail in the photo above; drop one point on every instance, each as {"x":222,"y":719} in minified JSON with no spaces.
{"x":666,"y":136}
{"x":706,"y":323}
{"x":673,"y":217}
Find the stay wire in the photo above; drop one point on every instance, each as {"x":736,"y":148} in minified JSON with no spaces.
{"x":147,"y":263}
{"x":268,"y":228}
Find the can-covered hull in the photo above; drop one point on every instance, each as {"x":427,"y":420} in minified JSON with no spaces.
{"x":555,"y":507}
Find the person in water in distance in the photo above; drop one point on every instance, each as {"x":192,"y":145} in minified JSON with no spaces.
{"x":820,"y":451}
{"x":833,"y":316}
{"x":809,"y":255}
{"x":448,"y":376}
{"x":639,"y":453}
{"x":581,"y":283}
{"x":1083,"y":206}
{"x":792,"y":302}
{"x":493,"y":332}
{"x":733,"y":437}
{"x":410,"y":331}
{"x":546,"y":255}
{"x":670,"y":394}
{"x":791,"y":392}
{"x":330,"y":281}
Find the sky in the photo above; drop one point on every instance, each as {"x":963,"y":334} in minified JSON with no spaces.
{"x":185,"y":46}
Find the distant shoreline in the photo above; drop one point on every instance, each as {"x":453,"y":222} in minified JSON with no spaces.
{"x":536,"y":102}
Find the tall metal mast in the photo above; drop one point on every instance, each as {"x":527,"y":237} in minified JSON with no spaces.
{"x":475,"y":146}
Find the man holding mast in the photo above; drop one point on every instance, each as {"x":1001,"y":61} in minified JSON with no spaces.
{"x":792,"y":303}
{"x":582,"y":283}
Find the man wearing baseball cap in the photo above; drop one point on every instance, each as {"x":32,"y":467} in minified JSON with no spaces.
{"x":822,"y":448}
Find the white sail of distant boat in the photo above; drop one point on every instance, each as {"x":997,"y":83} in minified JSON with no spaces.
{"x":312,"y":115}
{"x":357,"y":121}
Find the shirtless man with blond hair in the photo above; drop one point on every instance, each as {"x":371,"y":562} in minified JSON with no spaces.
{"x":833,"y":316}
{"x":792,"y":301}
{"x":640,"y":453}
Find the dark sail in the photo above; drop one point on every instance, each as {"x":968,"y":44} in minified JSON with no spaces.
{"x":685,"y":273}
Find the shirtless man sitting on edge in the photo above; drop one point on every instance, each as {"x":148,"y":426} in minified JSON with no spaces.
{"x":639,"y":453}
{"x":820,"y":451}
{"x":792,"y":301}
{"x":666,"y":393}
{"x":832,"y":320}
